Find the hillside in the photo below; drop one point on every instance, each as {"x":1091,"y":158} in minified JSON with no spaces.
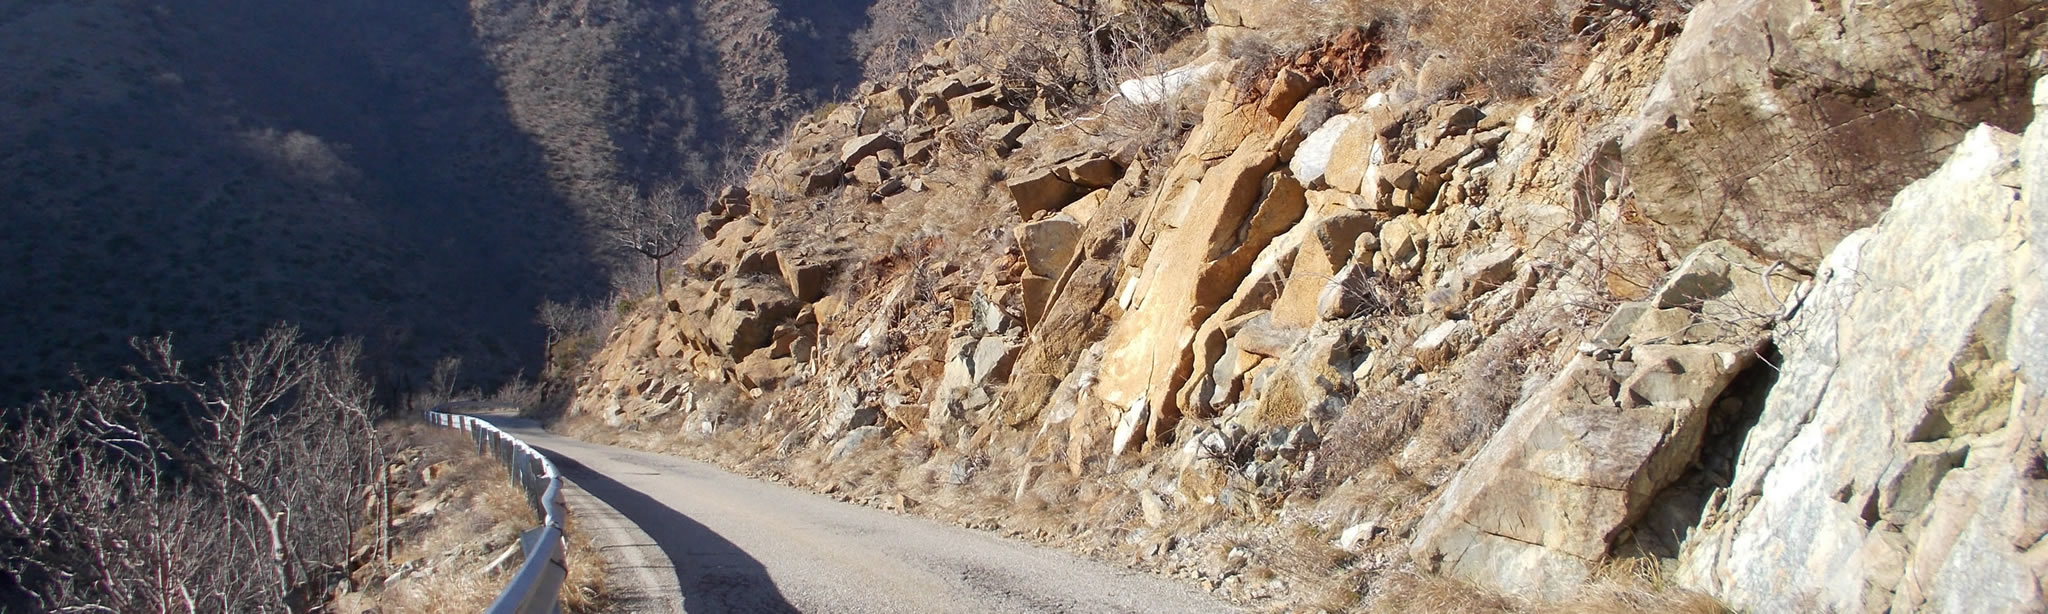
{"x":1406,"y":306}
{"x":419,"y":175}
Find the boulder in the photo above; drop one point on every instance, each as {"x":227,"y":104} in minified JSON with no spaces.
{"x":731,"y":201}
{"x":929,"y":108}
{"x":1170,"y":85}
{"x":861,"y":147}
{"x":1347,"y":294}
{"x":1785,"y":124}
{"x":869,"y":171}
{"x":851,"y":410}
{"x":1083,"y":211}
{"x":974,"y":100}
{"x":1326,"y":248}
{"x":1049,"y":244}
{"x":856,"y":440}
{"x":1582,"y":459}
{"x":1444,"y":343}
{"x":1403,"y":243}
{"x":1900,"y":448}
{"x":1360,"y":146}
{"x":890,"y":102}
{"x":821,"y":178}
{"x":804,"y":276}
{"x":709,"y":225}
{"x":746,"y":317}
{"x":1092,"y":172}
{"x":758,"y":259}
{"x":1289,"y":87}
{"x":920,"y":151}
{"x":1476,"y":275}
{"x":1728,"y":284}
{"x":1541,"y":503}
{"x":943,"y":87}
{"x":1255,"y":333}
{"x":1449,"y":120}
{"x":1681,"y":376}
{"x":762,"y":372}
{"x":1041,"y":191}
{"x":1312,"y":157}
{"x":974,"y":368}
{"x":1311,"y":383}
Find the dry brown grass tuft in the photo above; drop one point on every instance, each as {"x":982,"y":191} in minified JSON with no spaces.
{"x":1488,"y":383}
{"x":1505,"y":47}
{"x":1413,"y":592}
{"x":583,"y":592}
{"x":1625,"y":586}
{"x":1373,"y":427}
{"x":1635,"y":586}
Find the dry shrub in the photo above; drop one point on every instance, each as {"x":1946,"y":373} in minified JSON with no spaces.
{"x":1071,"y":52}
{"x":965,"y":217}
{"x":1304,"y":557}
{"x":1635,"y":586}
{"x":1621,"y":586}
{"x":1506,"y":46}
{"x":1628,"y":586}
{"x":900,"y":31}
{"x":1144,"y":47}
{"x":1488,"y":384}
{"x":583,"y":591}
{"x":1372,"y":427}
{"x":1414,"y":592}
{"x":1036,"y":46}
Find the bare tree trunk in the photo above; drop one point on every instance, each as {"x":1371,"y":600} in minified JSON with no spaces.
{"x":280,"y":558}
{"x":660,"y":284}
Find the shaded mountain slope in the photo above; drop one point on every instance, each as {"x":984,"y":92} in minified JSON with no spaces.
{"x":413,"y":173}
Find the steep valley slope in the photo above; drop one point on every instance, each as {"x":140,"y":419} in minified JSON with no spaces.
{"x":420,"y":175}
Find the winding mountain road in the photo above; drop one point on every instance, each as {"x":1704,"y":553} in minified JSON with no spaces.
{"x":685,"y":536}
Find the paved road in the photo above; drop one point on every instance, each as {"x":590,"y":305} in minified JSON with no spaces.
{"x":732,"y":544}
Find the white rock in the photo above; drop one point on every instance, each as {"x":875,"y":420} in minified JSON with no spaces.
{"x":1355,"y":534}
{"x":1312,"y":158}
{"x":1168,"y":85}
{"x":1913,"y":341}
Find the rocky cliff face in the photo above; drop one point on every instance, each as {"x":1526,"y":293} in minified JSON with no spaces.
{"x":1901,"y":447}
{"x":1389,"y":332}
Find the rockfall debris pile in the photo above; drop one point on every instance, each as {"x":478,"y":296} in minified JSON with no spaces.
{"x":1750,"y":303}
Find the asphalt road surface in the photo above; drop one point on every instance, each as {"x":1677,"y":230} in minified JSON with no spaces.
{"x":681,"y":535}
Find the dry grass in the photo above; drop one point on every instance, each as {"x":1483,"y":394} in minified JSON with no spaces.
{"x":1072,"y":53}
{"x":1374,"y":426}
{"x":450,"y":529}
{"x":1635,"y":586}
{"x":583,"y":592}
{"x":1623,"y":587}
{"x":1503,"y":46}
{"x":1488,"y":383}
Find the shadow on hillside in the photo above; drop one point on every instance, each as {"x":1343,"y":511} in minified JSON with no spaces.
{"x":715,"y":575}
{"x":349,"y":166}
{"x":823,"y":58}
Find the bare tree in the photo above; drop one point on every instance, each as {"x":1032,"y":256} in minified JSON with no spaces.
{"x":565,"y":320}
{"x":251,"y":507}
{"x":655,"y":224}
{"x":440,"y":385}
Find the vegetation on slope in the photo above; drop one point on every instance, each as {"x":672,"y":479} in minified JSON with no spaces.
{"x":423,"y":177}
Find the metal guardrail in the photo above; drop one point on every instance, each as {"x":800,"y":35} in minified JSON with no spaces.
{"x":537,"y":588}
